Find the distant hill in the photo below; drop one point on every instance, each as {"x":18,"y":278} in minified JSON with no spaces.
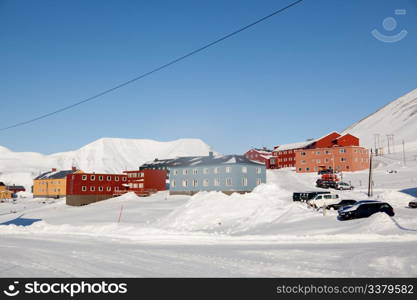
{"x":103,"y":155}
{"x":398,"y":118}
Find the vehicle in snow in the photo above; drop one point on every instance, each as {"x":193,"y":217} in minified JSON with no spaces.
{"x":343,"y":203}
{"x":343,"y":186}
{"x":323,"y":200}
{"x":364,"y":209}
{"x":413,"y":204}
{"x":325,"y":171}
{"x":325,"y":184}
{"x":304,"y":196}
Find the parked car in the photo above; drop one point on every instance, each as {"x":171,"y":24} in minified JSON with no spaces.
{"x":325,"y":171}
{"x":323,"y":200}
{"x":364,"y":209}
{"x":325,"y":184}
{"x":343,"y":186}
{"x":304,"y":196}
{"x":343,"y":203}
{"x":413,"y":204}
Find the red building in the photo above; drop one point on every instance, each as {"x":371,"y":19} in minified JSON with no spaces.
{"x":261,"y":155}
{"x":15,"y":188}
{"x":86,"y":188}
{"x":146,"y":181}
{"x":284,"y":156}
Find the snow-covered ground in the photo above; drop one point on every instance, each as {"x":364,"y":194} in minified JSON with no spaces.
{"x":261,"y":234}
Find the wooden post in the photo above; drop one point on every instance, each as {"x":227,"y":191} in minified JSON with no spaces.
{"x":120,"y":215}
{"x":370,"y":176}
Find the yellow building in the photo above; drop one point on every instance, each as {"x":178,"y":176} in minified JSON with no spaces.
{"x":52,"y":184}
{"x":4,"y":192}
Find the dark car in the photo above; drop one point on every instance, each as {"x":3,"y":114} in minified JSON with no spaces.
{"x":364,"y":209}
{"x":325,"y":171}
{"x":413,"y":204}
{"x":325,"y":184}
{"x":305,"y":196}
{"x":343,"y":203}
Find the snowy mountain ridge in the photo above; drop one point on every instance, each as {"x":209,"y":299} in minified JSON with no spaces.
{"x":398,"y":119}
{"x":103,"y":155}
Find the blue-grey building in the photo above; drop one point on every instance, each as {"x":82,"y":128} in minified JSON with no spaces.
{"x":228,"y":174}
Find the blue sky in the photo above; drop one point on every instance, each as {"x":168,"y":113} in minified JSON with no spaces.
{"x":313,"y":69}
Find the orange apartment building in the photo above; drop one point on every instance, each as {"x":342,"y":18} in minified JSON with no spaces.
{"x":338,"y":158}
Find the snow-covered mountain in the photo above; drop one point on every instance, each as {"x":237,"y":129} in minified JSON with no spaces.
{"x":103,"y":155}
{"x":397,"y":118}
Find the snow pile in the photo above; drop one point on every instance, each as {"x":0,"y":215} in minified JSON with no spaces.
{"x":220,"y":213}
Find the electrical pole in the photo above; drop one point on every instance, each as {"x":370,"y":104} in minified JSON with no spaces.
{"x":404,"y":153}
{"x":388,"y":143}
{"x":370,"y":176}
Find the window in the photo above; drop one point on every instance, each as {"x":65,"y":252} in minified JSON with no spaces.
{"x":303,"y":161}
{"x":84,"y":177}
{"x":175,"y":172}
{"x":108,"y":188}
{"x":228,"y":169}
{"x":185,"y":183}
{"x":108,"y":178}
{"x":141,"y":174}
{"x":135,"y":185}
{"x":92,"y":177}
{"x":195,"y":182}
{"x":124,"y":178}
{"x":141,"y":185}
{"x":272,"y":161}
{"x":343,"y":159}
{"x":206,"y":182}
{"x":195,"y":171}
{"x":258,"y":170}
{"x":258,"y":181}
{"x":245,"y":170}
{"x":205,"y":170}
{"x":173,"y":183}
{"x":100,"y":188}
{"x":100,"y":178}
{"x":116,"y":178}
{"x":92,"y":188}
{"x":300,"y":169}
{"x":216,"y":181}
{"x":228,"y":181}
{"x":216,"y":170}
{"x":185,"y":172}
{"x":317,"y":152}
{"x":318,"y":161}
{"x":342,"y":150}
{"x":245,"y":181}
{"x":84,"y":188}
{"x":116,"y":188}
{"x":303,"y":153}
{"x":307,"y":169}
{"x":326,"y":160}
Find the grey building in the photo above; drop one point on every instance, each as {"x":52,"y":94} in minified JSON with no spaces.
{"x":228,"y":174}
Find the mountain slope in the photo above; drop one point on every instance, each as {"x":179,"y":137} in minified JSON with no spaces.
{"x":104,"y":155}
{"x":398,"y":117}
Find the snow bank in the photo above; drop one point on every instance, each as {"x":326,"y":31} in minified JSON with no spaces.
{"x":217,"y":212}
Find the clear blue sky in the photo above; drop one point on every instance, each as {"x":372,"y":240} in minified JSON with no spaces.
{"x":313,"y":69}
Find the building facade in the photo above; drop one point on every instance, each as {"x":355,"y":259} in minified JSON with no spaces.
{"x":260,"y":155}
{"x":16,"y":188}
{"x":52,"y":184}
{"x":338,"y":158}
{"x":228,"y":174}
{"x":284,"y":156}
{"x":86,"y":188}
{"x":4,"y":192}
{"x":147,"y":181}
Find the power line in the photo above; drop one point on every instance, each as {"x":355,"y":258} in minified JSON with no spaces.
{"x":152,"y":71}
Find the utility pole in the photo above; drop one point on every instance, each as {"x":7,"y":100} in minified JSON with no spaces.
{"x":404,"y":153}
{"x":388,"y":143}
{"x":370,"y":176}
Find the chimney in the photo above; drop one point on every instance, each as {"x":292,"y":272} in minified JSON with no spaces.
{"x":74,"y":169}
{"x":53,"y":169}
{"x":211,"y":154}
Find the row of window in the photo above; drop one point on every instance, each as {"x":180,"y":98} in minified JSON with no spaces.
{"x":216,"y":182}
{"x":316,"y":169}
{"x":285,"y":152}
{"x":101,"y":178}
{"x":135,"y":175}
{"x":136,"y":185}
{"x":50,"y":190}
{"x":216,"y":170}
{"x":100,"y":188}
{"x":342,"y":159}
{"x":50,"y":182}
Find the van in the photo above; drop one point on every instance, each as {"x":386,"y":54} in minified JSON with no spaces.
{"x":324,"y":200}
